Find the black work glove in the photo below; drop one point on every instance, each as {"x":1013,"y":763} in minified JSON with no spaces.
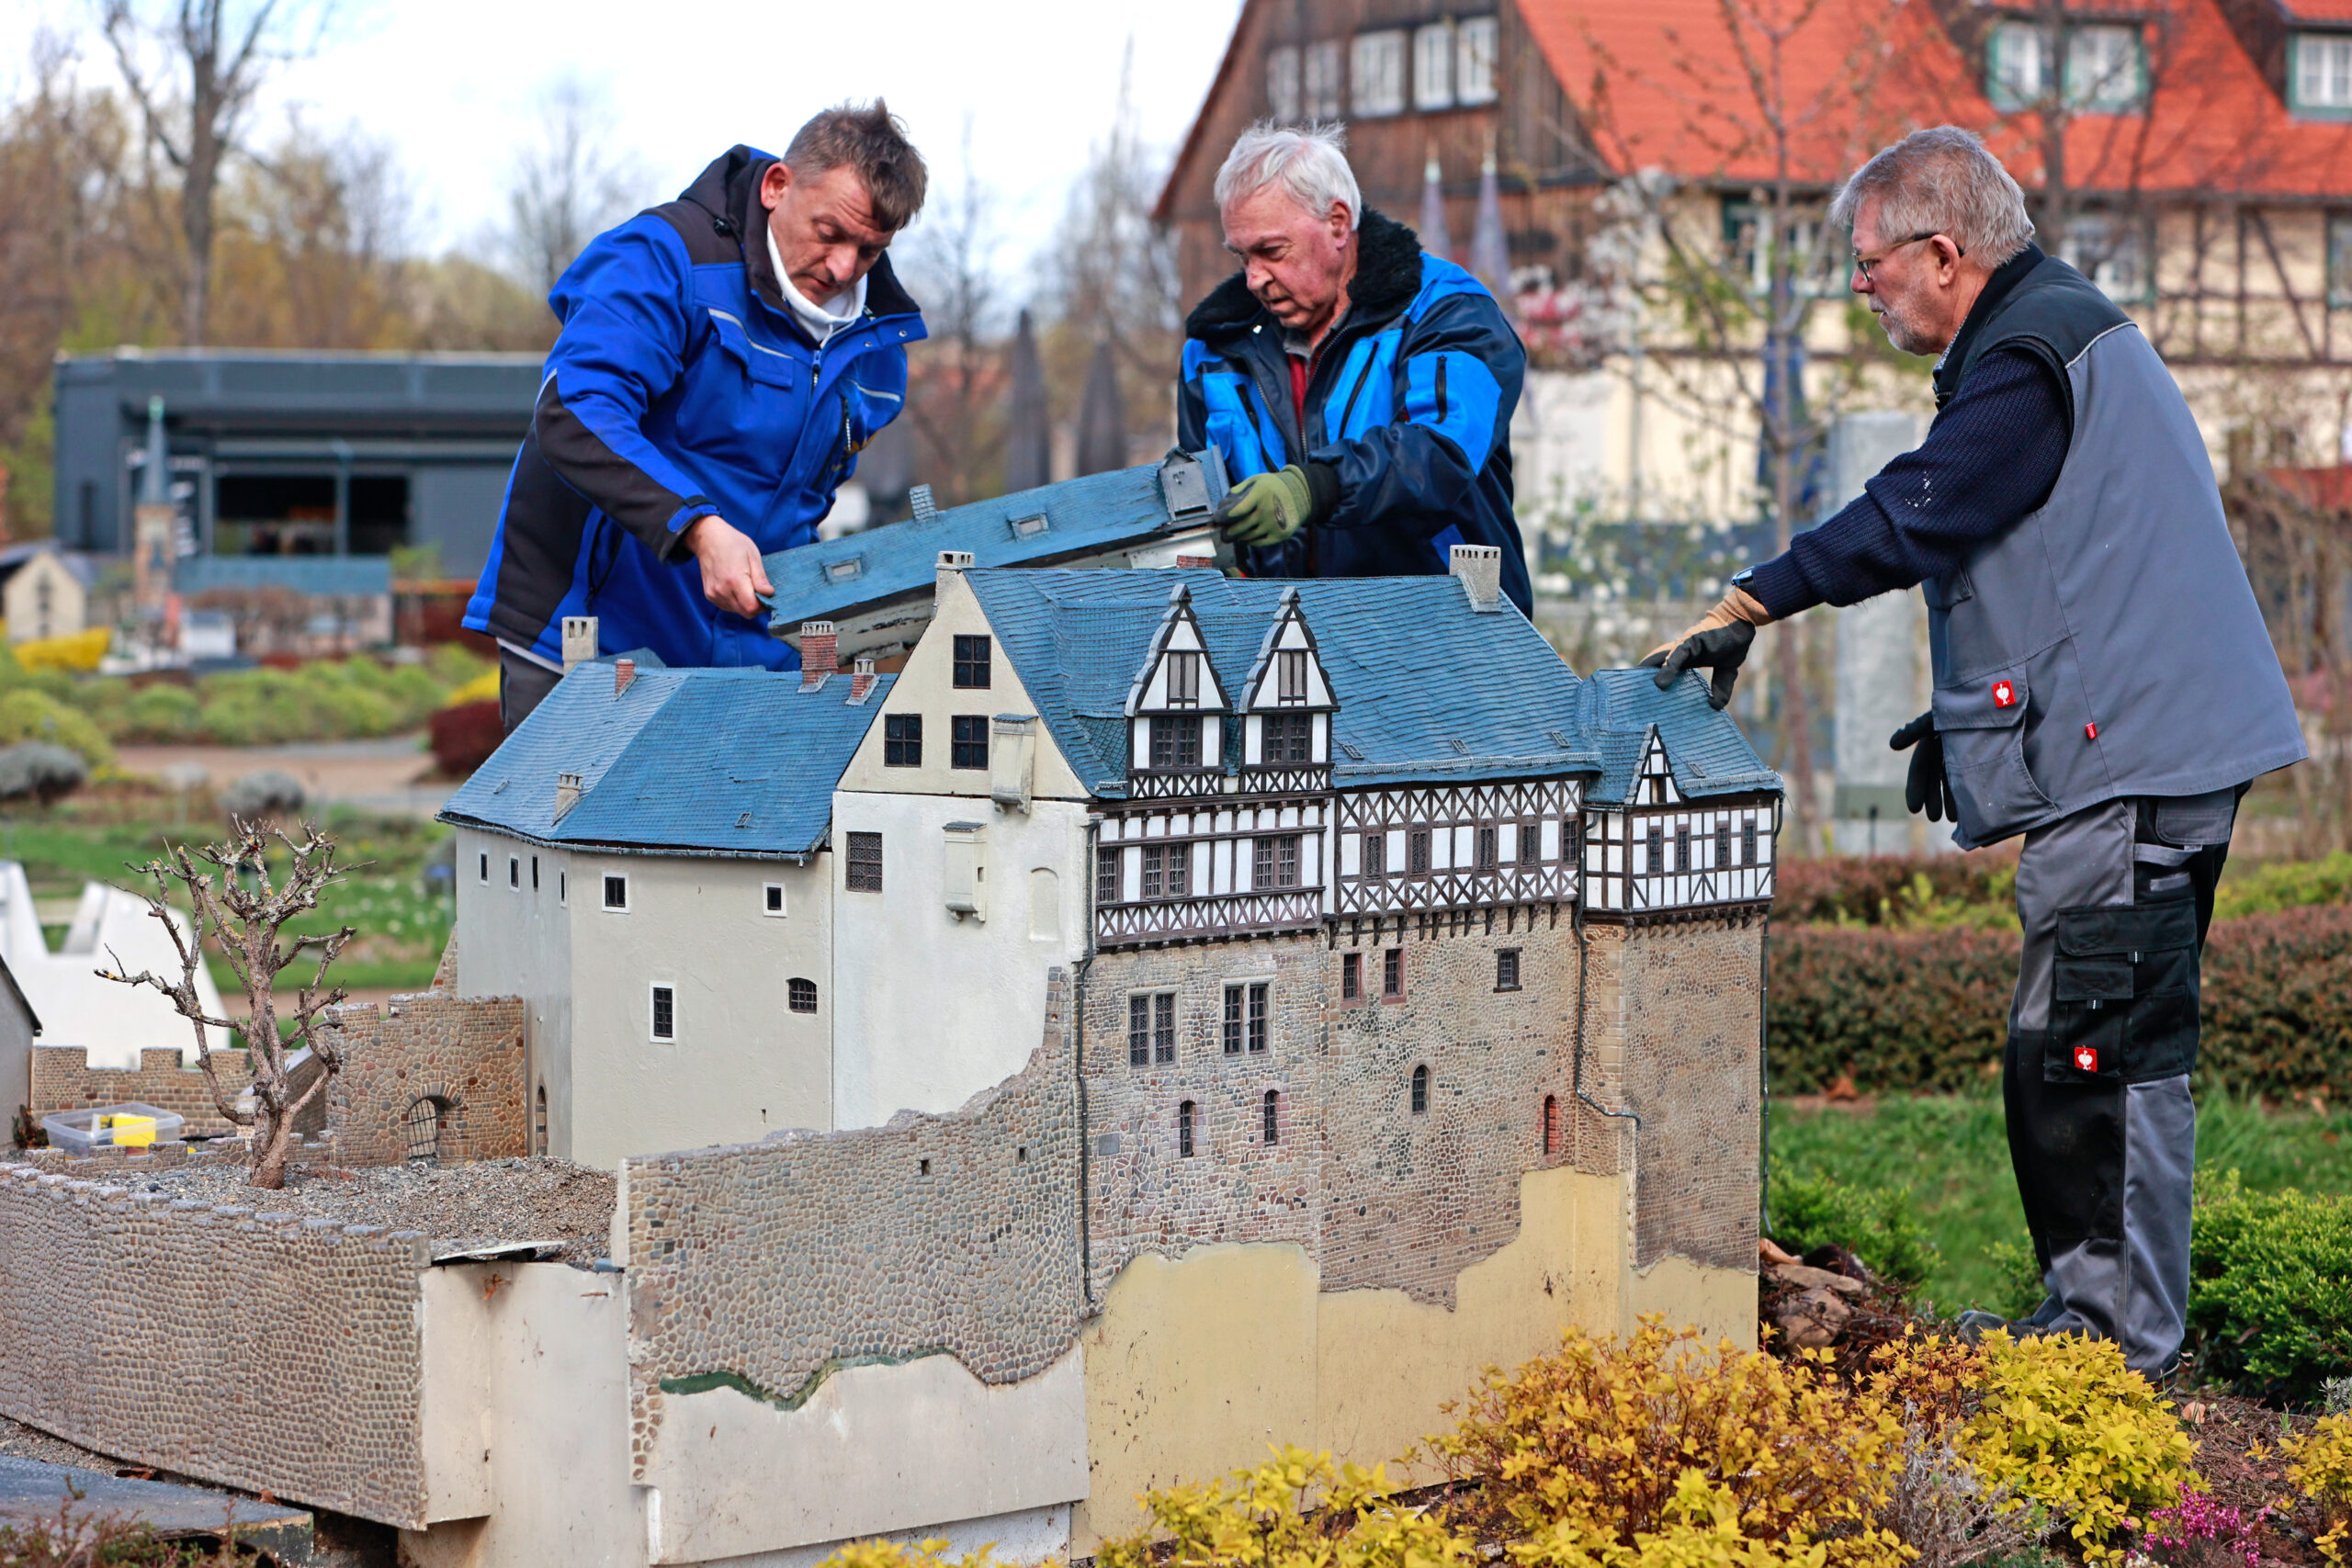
{"x":1927,"y":788}
{"x":1721,"y":648}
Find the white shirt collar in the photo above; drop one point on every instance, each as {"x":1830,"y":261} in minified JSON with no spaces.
{"x":821,"y":320}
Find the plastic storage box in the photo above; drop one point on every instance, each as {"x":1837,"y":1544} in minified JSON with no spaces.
{"x":125,"y":1126}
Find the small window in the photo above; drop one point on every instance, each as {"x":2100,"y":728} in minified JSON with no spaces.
{"x":1290,"y":675}
{"x":1282,"y":83}
{"x":1723,"y":843}
{"x":1163,"y":1027}
{"x":539,"y":1120}
{"x":422,"y":1124}
{"x":1551,"y":1127}
{"x":1176,"y":742}
{"x":1392,"y":973}
{"x":1258,"y":1021}
{"x":801,"y":994}
{"x":903,"y":741}
{"x":1286,"y":738}
{"x":1271,"y":1117}
{"x":1378,"y":69}
{"x":1140,"y":1031}
{"x":1375,"y":854}
{"x":864,"y":869}
{"x":1184,"y":1130}
{"x":1151,"y":1028}
{"x":2339,"y":260}
{"x":1682,"y":849}
{"x":1154,"y":869}
{"x":1183,"y":680}
{"x":1350,"y":977}
{"x":967,"y":745}
{"x":1318,"y":81}
{"x":665,"y":1013}
{"x":1654,"y":847}
{"x":2104,"y":69}
{"x":1417,"y":853}
{"x":971,"y":664}
{"x":1434,"y":66}
{"x":1107,"y":869}
{"x":1657,"y":790}
{"x":514,"y":870}
{"x":485,"y":869}
{"x":772,"y":898}
{"x":563,"y":887}
{"x":1276,"y":863}
{"x":1180,"y":870}
{"x":1507,"y":969}
{"x":1531,"y":843}
{"x":1486,"y":861}
{"x":1747,"y":843}
{"x":1236,"y":1012}
{"x":2323,"y":74}
{"x":615,"y":892}
{"x":534,"y":874}
{"x":1473,"y":61}
{"x":1420,"y":1091}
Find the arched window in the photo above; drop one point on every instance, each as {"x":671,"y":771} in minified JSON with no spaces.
{"x":801,"y":994}
{"x":422,"y":1124}
{"x":1184,"y":1130}
{"x":1551,"y":1127}
{"x":540,"y":1120}
{"x":1273,"y":1125}
{"x":1420,"y":1090}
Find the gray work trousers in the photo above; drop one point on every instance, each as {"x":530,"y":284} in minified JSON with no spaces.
{"x":522,"y":686}
{"x":2114,"y":901}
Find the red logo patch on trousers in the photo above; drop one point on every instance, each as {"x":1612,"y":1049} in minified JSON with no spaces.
{"x":2087,"y":1058}
{"x":2004,"y":694}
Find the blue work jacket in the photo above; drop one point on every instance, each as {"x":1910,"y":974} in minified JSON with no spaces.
{"x":681,"y":387}
{"x":1409,"y":409}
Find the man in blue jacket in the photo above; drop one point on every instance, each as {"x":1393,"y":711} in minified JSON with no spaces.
{"x":723,"y":358}
{"x":1359,"y":388}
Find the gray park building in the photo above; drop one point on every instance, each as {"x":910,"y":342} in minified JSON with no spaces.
{"x":295,"y":453}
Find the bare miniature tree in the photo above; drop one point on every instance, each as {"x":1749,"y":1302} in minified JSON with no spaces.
{"x":247,"y":921}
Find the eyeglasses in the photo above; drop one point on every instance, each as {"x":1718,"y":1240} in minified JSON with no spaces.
{"x":1863,"y":263}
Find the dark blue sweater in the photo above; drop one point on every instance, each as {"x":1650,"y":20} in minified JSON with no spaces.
{"x":1989,"y":460}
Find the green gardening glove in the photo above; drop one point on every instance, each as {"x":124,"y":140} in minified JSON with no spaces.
{"x":1266,"y":509}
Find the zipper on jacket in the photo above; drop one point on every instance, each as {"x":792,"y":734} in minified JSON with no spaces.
{"x":1441,"y":389}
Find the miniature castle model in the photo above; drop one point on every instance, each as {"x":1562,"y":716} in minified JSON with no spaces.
{"x":1168,"y":1014}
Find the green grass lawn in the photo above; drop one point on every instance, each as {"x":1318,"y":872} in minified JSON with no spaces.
{"x":1954,"y":1156}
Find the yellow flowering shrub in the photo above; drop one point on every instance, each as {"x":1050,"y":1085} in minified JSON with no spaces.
{"x":1662,"y":1450}
{"x":2320,"y":1462}
{"x":2066,"y":1424}
{"x":1262,"y":1519}
{"x":894,"y":1554}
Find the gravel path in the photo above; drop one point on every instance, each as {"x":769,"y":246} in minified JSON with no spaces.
{"x":472,"y":1204}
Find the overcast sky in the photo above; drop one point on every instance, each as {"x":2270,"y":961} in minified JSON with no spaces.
{"x":451,"y":83}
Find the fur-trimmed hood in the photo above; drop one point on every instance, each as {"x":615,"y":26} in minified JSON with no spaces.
{"x":1389,"y":274}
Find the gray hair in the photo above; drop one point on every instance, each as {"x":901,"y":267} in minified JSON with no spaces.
{"x":1309,"y":162}
{"x":1940,"y":181}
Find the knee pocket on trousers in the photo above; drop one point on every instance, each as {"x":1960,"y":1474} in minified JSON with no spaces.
{"x":2123,"y":993}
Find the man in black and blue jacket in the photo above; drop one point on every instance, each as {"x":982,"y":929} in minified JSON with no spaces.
{"x":723,"y":358}
{"x":1359,"y":388}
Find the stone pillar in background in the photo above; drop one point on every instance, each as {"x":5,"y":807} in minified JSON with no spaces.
{"x":152,"y":522}
{"x":1880,"y":649}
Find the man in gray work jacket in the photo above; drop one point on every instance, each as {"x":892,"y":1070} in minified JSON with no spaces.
{"x":2103,"y":686}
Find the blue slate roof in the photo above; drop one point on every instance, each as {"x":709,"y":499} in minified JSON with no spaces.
{"x":1100,"y":511}
{"x":1708,"y":754}
{"x":322,"y":576}
{"x":1430,"y":690}
{"x":737,"y":761}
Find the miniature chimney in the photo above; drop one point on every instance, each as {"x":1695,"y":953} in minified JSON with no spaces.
{"x":1197,"y":563}
{"x":861,"y":680}
{"x":567,"y":794}
{"x":926,"y":508}
{"x":579,"y":639}
{"x":1480,"y":568}
{"x":624,"y":671}
{"x":952,"y":564}
{"x":820,"y":653}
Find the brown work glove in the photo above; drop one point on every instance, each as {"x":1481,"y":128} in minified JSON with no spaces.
{"x":1717,"y":641}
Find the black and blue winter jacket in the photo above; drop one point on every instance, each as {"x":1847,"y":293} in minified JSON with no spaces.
{"x":681,"y":387}
{"x":1409,"y":407}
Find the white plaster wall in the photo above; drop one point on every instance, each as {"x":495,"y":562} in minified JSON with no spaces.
{"x":743,"y":1065}
{"x":932,"y":1010}
{"x":517,"y":943}
{"x":876,"y":1449}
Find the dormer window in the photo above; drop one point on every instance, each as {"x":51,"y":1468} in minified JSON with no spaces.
{"x":1184,"y":683}
{"x":1290,"y":668}
{"x":2322,"y":73}
{"x":1176,"y":742}
{"x":2105,"y":70}
{"x":1289,"y":737}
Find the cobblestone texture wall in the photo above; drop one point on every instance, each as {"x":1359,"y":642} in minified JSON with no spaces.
{"x":1676,"y":1004}
{"x":1379,"y":1194}
{"x":464,"y":1054}
{"x":247,"y":1348}
{"x":765,"y":1265}
{"x":62,"y":1079}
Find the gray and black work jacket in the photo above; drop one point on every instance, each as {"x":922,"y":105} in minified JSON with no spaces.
{"x":2108,"y":645}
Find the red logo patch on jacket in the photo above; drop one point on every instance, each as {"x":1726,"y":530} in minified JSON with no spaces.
{"x":2087,"y":1058}
{"x":2004,"y":694}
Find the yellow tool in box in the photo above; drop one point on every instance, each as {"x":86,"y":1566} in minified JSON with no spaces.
{"x":130,"y":1130}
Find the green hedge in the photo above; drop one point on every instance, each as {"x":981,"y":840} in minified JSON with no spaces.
{"x":1927,"y":1009}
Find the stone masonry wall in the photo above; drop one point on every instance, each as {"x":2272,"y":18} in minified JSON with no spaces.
{"x":1676,"y":1004}
{"x":763,"y":1267}
{"x":251,"y":1350}
{"x":464,"y":1054}
{"x":62,"y":1079}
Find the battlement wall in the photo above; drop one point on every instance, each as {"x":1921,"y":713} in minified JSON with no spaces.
{"x":62,"y":1079}
{"x":462,"y":1059}
{"x":247,"y":1347}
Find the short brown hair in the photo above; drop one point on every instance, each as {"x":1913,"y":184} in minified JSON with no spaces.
{"x":873,"y":141}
